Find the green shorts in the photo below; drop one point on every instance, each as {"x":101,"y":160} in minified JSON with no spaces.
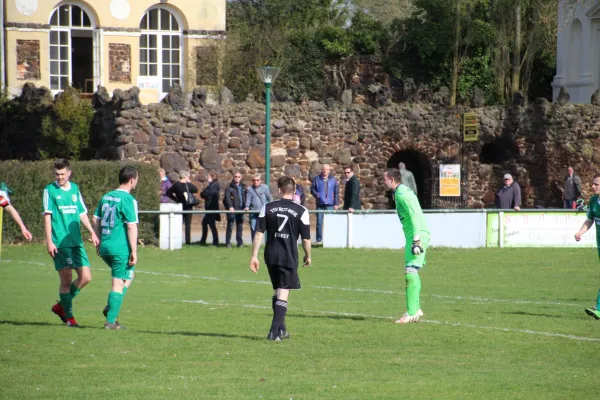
{"x":410,"y":260}
{"x":119,"y":266}
{"x":71,"y":257}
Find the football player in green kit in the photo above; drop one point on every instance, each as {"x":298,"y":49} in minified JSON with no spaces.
{"x":415,"y":232}
{"x":64,"y":211}
{"x":115,"y":222}
{"x":593,"y":216}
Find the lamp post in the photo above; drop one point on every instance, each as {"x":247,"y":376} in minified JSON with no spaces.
{"x":267,"y":76}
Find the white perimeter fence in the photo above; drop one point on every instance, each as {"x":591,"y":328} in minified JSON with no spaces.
{"x":448,"y":228}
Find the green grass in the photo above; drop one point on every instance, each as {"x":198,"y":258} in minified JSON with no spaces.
{"x":499,"y":324}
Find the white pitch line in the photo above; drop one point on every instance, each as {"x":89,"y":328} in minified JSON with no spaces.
{"x":457,"y":324}
{"x":359,"y":290}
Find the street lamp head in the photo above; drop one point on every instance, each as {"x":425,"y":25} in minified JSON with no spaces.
{"x":267,"y":74}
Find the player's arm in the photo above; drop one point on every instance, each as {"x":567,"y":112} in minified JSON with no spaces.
{"x":85,"y":221}
{"x":132,"y":235}
{"x":305,"y":235}
{"x":48,"y":203}
{"x":584,"y":228}
{"x":261,"y":226}
{"x":15,"y":215}
{"x":412,"y":208}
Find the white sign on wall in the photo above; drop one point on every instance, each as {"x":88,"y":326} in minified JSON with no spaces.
{"x":546,"y":230}
{"x":148,"y":82}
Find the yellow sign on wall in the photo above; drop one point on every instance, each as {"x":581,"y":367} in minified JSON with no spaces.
{"x":450,"y":180}
{"x":471,"y":132}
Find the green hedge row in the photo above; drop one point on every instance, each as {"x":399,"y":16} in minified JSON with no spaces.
{"x":28,"y":179}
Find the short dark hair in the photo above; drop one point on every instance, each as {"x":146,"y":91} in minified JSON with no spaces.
{"x":350,"y":167}
{"x":126,"y":174}
{"x":286,"y":185}
{"x":213,"y":176}
{"x":394,"y":174}
{"x":596,"y":176}
{"x":62,"y":163}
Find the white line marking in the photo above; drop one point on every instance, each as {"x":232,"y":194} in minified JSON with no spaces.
{"x":458,"y":324}
{"x":216,"y":279}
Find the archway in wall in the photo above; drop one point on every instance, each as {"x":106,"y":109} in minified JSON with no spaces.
{"x":420,"y":165}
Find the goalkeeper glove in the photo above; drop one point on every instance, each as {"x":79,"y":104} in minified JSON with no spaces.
{"x":416,"y":247}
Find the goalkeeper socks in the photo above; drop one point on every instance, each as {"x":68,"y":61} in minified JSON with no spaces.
{"x":279,"y":315}
{"x":114,"y":306}
{"x":598,"y":301}
{"x":413,"y":293}
{"x":66,"y":301}
{"x":74,"y":290}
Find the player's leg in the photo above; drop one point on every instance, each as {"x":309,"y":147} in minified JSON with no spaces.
{"x":63,"y":262}
{"x":413,"y":284}
{"x":122,"y":276}
{"x":81,"y":263}
{"x":595,"y":312}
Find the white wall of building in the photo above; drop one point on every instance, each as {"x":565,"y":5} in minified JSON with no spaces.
{"x":578,"y":51}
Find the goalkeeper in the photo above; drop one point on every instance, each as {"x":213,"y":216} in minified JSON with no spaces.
{"x":415,"y":231}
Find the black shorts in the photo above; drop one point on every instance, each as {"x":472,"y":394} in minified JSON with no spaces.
{"x":284,"y":277}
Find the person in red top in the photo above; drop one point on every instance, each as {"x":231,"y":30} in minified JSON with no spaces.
{"x":5,"y":204}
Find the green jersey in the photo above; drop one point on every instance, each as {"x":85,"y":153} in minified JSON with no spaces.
{"x":115,"y":210}
{"x":66,"y":206}
{"x":410,"y":213}
{"x":593,"y":214}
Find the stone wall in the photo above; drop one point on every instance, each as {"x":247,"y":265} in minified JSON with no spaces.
{"x":534,"y":144}
{"x":119,"y":62}
{"x":28,"y":60}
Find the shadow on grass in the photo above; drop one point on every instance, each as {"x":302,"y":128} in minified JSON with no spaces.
{"x":533,"y":314}
{"x":36,"y":323}
{"x":336,"y":317}
{"x":207,"y":334}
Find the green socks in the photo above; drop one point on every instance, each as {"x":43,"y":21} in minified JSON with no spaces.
{"x":598,"y":301}
{"x":66,"y":301}
{"x":114,"y":306}
{"x":74,"y":290}
{"x":413,"y":293}
{"x":125,"y":290}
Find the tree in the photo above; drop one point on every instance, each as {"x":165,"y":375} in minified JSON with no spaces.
{"x":455,"y":59}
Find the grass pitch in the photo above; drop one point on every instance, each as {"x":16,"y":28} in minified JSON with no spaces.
{"x":499,"y":324}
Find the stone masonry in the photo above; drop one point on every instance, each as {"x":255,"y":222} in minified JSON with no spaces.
{"x":28,"y":60}
{"x":119,"y":62}
{"x":535,"y":144}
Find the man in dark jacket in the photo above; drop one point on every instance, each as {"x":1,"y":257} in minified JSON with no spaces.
{"x":183,"y":192}
{"x":235,"y":198}
{"x":325,"y":189}
{"x":210,"y":194}
{"x":352,"y":190}
{"x":509,"y":195}
{"x":572,"y":188}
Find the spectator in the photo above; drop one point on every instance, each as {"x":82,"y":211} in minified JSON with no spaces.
{"x":210,"y":194}
{"x":234,"y":200}
{"x":257,"y":196}
{"x":183,"y":192}
{"x":408,"y":179}
{"x":352,"y":190}
{"x":325,"y":189}
{"x":509,"y":195}
{"x":299,"y":197}
{"x":165,"y":184}
{"x":572,"y":188}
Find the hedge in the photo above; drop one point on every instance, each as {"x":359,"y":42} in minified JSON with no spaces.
{"x":28,"y":179}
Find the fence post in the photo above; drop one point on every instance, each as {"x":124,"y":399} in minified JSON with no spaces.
{"x":171,"y":237}
{"x":501,"y":229}
{"x":349,"y":243}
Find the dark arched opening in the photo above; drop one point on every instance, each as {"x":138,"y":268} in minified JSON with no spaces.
{"x":498,"y":151}
{"x":420,"y":166}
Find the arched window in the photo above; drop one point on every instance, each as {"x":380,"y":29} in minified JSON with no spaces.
{"x":72,"y":58}
{"x":160,"y":48}
{"x":575,"y":46}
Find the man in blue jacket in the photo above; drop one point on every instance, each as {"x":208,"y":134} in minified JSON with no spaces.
{"x":325,"y":189}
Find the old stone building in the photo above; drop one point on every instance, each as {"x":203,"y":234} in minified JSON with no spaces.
{"x":578,"y":50}
{"x":151,"y":44}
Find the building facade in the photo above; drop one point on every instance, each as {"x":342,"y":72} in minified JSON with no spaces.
{"x":578,"y":50}
{"x":152,"y":44}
